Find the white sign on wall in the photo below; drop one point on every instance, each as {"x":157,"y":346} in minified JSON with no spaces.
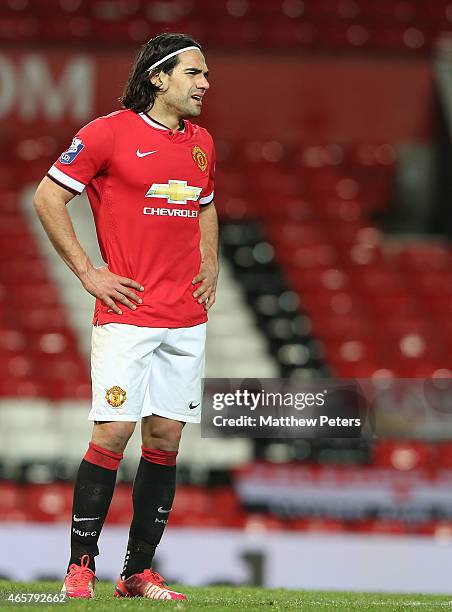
{"x":30,"y":88}
{"x":204,"y":556}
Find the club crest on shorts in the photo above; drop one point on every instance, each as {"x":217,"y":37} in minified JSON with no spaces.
{"x":115,"y":396}
{"x":200,"y":157}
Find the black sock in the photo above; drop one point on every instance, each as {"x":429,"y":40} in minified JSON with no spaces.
{"x":153,"y":494}
{"x":93,"y":491}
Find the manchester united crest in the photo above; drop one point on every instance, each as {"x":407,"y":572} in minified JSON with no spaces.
{"x":116,"y":396}
{"x":200,"y":157}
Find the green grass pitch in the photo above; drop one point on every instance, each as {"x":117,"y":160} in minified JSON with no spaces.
{"x":219,"y":598}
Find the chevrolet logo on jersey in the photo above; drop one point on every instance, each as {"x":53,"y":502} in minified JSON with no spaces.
{"x":175,"y":192}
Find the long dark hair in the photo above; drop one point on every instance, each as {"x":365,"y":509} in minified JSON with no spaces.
{"x":139,"y":93}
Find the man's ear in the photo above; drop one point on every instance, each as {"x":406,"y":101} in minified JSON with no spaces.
{"x":156,"y":80}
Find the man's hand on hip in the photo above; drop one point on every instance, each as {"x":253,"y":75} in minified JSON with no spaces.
{"x":110,"y":288}
{"x":207,"y":276}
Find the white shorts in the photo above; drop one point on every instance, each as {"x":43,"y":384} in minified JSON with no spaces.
{"x":139,"y":371}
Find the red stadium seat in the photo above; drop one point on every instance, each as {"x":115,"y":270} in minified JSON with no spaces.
{"x":402,"y":455}
{"x":191,"y":500}
{"x":318,"y":525}
{"x":386,"y":526}
{"x":49,"y":503}
{"x":258,"y":523}
{"x":443,"y":455}
{"x":343,"y":328}
{"x":121,"y":506}
{"x":11,"y":497}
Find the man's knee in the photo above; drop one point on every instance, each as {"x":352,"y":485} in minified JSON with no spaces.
{"x":160,"y":433}
{"x":112,"y":435}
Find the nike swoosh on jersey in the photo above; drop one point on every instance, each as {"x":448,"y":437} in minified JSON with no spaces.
{"x":160,"y":509}
{"x":140,"y":154}
{"x":88,"y":518}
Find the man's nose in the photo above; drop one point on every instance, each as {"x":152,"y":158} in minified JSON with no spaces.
{"x":203,"y":83}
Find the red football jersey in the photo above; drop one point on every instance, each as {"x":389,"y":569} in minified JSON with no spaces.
{"x":145,"y":184}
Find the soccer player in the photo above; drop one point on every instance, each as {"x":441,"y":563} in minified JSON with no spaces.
{"x":148,"y":172}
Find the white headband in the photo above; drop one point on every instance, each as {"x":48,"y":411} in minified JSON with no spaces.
{"x":167,"y":57}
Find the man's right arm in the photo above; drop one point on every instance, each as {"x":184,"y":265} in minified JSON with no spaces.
{"x":50,"y":203}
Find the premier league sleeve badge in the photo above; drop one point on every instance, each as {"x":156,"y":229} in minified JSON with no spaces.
{"x":70,"y":154}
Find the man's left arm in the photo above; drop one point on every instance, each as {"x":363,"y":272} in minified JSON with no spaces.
{"x":208,"y":271}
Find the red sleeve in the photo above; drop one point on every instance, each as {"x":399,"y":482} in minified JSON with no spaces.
{"x":89,"y":154}
{"x":208,"y":192}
